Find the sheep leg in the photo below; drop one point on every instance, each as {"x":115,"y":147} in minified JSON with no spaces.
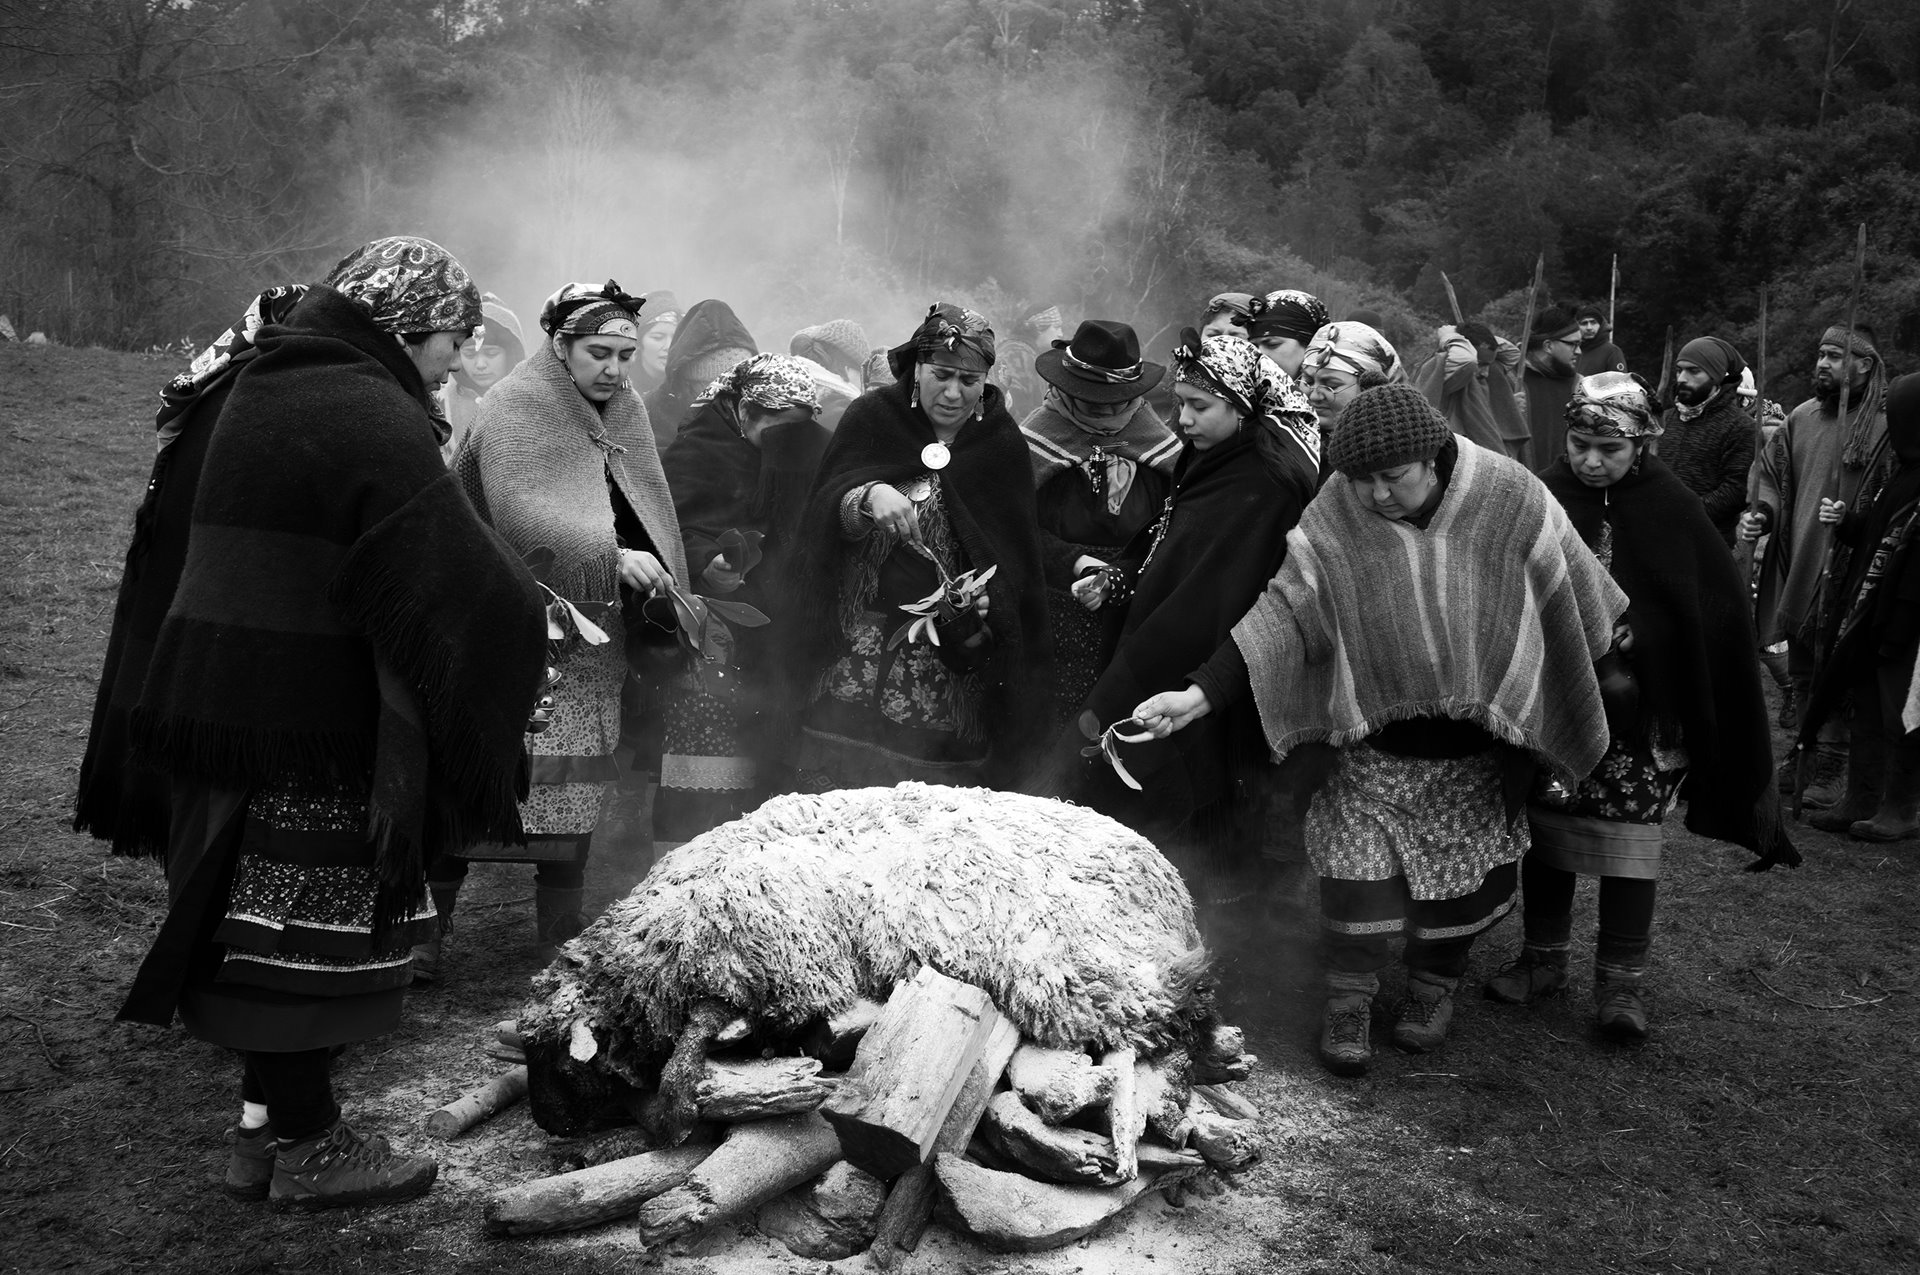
{"x":669,"y":1115}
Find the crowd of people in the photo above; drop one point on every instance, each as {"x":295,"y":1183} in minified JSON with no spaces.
{"x":412,"y":586}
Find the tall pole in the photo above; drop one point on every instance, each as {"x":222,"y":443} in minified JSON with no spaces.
{"x":1452,"y":300}
{"x":1613,"y":294}
{"x":1526,"y":331}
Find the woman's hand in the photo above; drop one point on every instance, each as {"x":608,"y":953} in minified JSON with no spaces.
{"x":1169,"y":711}
{"x":1623,"y":636}
{"x":980,"y":604}
{"x":641,"y":571}
{"x":1832,"y":511}
{"x":720,"y":575}
{"x":892,"y":512}
{"x":1751,"y":527}
{"x":1090,"y":590}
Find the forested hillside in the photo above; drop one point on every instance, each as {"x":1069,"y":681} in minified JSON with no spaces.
{"x":160,"y":160}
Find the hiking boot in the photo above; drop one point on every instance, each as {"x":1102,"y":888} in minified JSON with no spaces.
{"x":1346,"y":1035}
{"x":339,"y":1167}
{"x":1421,"y":1021}
{"x":426,"y":956}
{"x":1619,"y":1009}
{"x":249,"y":1162}
{"x":1533,"y":975}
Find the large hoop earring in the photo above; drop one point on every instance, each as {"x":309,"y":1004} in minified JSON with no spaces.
{"x":914,"y":399}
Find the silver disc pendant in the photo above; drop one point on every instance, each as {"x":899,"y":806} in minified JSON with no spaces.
{"x":935,"y":456}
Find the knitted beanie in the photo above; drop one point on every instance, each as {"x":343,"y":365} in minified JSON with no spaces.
{"x":700,"y":370}
{"x":836,"y":345}
{"x":1385,"y":427}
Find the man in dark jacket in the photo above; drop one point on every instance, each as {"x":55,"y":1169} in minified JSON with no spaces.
{"x":1598,"y":353}
{"x":1552,"y":350}
{"x":1709,"y":438}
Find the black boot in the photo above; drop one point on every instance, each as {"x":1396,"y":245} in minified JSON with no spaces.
{"x":1866,"y":768}
{"x":426,"y":956}
{"x":1898,"y":816}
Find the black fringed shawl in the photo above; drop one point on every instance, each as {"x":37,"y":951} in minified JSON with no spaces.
{"x":1692,"y":644}
{"x":987,"y":490}
{"x":341,"y":610}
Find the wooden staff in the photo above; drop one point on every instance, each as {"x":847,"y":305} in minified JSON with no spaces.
{"x":1743,"y":552}
{"x":1613,"y":293}
{"x":1452,"y":300}
{"x":1664,"y":392}
{"x":1526,"y":327}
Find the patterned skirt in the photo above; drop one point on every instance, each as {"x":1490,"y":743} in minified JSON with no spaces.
{"x":1440,"y":824}
{"x":706,"y":774}
{"x":1078,"y":640}
{"x":1609,"y":825}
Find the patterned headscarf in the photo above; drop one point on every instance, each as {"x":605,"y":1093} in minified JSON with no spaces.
{"x":1232,"y":368}
{"x":951,"y":329}
{"x":586,"y":309}
{"x":1238,"y":304}
{"x":410,"y":285}
{"x":1356,"y":349}
{"x":1613,"y":405}
{"x":1288,"y":312}
{"x":774,"y":382}
{"x":180,"y":394}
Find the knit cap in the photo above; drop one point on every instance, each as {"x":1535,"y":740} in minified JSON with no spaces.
{"x":699,"y":371}
{"x":1385,"y":427}
{"x":836,"y":345}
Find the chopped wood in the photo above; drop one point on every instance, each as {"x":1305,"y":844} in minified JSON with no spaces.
{"x":1228,"y":1102}
{"x":460,"y":1115}
{"x":1059,"y":1084}
{"x":1155,"y":1158}
{"x":755,"y":1163}
{"x":910,"y":1202}
{"x":671,"y":1111}
{"x":1161,"y":1088}
{"x":838,"y":1038}
{"x":1125,"y":1120}
{"x":618,"y":1144}
{"x":755,"y":1090}
{"x":587,"y":1197}
{"x":1013,"y":1213}
{"x":1046,"y":1151}
{"x":908,"y":1071}
{"x":829,"y":1218}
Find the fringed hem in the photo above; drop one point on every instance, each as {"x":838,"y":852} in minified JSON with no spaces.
{"x":243,"y":756}
{"x":1466,"y":711}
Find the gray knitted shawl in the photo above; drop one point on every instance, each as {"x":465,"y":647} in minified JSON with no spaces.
{"x":535,"y":465}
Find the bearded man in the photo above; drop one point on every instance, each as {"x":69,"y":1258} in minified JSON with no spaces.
{"x":1552,"y":349}
{"x":1811,"y":471}
{"x":1708,"y":439}
{"x":1598,"y":353}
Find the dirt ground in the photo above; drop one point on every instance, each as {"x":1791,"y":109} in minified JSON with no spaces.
{"x":1772,"y":1124}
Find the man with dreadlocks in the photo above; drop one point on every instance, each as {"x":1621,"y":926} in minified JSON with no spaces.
{"x":1810,"y":473}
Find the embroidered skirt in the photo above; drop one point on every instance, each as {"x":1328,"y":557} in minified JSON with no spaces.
{"x":1609,"y":826}
{"x":891,"y":715}
{"x":706,"y":773}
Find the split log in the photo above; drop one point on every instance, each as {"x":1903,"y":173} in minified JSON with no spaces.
{"x":1013,"y":1213}
{"x":909,"y":1069}
{"x":1228,"y":1143}
{"x":1155,"y":1158}
{"x":1125,"y":1120}
{"x":1228,"y":1102}
{"x":454,"y":1119}
{"x":910,"y":1203}
{"x":1059,"y":1084}
{"x":835,"y":1041}
{"x":829,"y":1218}
{"x":1054,"y":1154}
{"x":1161,"y":1089}
{"x":756,"y":1162}
{"x":587,"y":1197}
{"x":741,"y":1091}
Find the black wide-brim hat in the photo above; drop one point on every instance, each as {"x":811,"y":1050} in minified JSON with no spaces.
{"x":1088,"y":367}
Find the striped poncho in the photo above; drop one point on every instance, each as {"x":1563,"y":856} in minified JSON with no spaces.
{"x":1493,"y":613}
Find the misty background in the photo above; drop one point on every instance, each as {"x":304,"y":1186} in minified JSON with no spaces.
{"x":162,"y":161}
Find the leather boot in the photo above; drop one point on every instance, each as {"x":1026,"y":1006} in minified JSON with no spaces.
{"x":1866,"y":768}
{"x":1898,"y":816}
{"x":426,"y":956}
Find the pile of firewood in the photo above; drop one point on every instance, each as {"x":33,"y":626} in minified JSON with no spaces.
{"x":942,"y":1110}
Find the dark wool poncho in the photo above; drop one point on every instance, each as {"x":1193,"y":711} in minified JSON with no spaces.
{"x":1221,"y":538}
{"x":341,"y":611}
{"x":1711,"y":456}
{"x":1692,"y":635}
{"x":987,"y":489}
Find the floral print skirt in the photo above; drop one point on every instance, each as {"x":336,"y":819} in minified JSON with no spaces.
{"x":889,"y":715}
{"x":1609,"y":825}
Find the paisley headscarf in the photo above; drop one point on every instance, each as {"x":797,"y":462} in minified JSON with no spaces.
{"x":184,"y":390}
{"x":1613,"y":405}
{"x":1356,"y":349}
{"x":961,"y":334}
{"x":1232,"y":368}
{"x":774,"y":382}
{"x":585,"y":309}
{"x":410,"y":285}
{"x":1288,"y":312}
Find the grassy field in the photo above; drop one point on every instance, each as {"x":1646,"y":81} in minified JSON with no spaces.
{"x":1771,"y":1124}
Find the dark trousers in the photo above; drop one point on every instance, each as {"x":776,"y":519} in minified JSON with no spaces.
{"x":1626,"y":914}
{"x":296,"y":1089}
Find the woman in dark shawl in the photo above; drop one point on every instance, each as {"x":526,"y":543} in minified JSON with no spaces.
{"x":1871,"y":652}
{"x":1102,"y":466}
{"x":1250,"y":464}
{"x":1700,"y":731}
{"x":339,"y":691}
{"x":924,"y":489}
{"x":708,"y":340}
{"x":561,"y":462}
{"x":740,"y":472}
